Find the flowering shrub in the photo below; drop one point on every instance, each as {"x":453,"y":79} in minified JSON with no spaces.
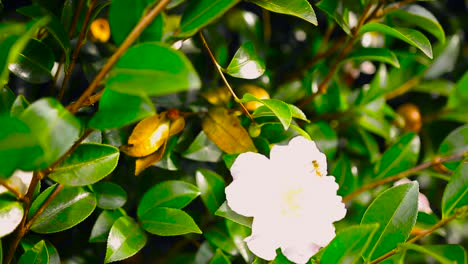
{"x":229,"y":131}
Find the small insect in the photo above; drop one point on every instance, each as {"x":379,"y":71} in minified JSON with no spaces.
{"x":316,"y":167}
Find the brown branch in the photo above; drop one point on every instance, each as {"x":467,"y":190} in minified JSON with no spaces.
{"x":10,"y":188}
{"x":403,"y":174}
{"x":220,"y":70}
{"x":24,"y":227}
{"x":438,"y":225}
{"x":395,"y":6}
{"x":77,"y":49}
{"x":144,"y":22}
{"x":74,"y":22}
{"x":43,"y":206}
{"x":405,"y":87}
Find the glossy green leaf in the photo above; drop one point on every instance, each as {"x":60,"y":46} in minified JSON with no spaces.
{"x":88,"y":164}
{"x":220,"y":258}
{"x":349,"y":244}
{"x":399,"y":157}
{"x":417,"y":15}
{"x":395,"y":210}
{"x":19,"y":147}
{"x":438,"y":86}
{"x":228,"y":213}
{"x":246,"y":64}
{"x":11,"y":213}
{"x":36,"y":255}
{"x":125,"y":239}
{"x":19,"y":105}
{"x":331,"y":8}
{"x":109,"y":195}
{"x":118,"y":109}
{"x":54,"y":26}
{"x":49,"y":121}
{"x":204,"y":253}
{"x":200,"y":13}
{"x":103,"y":225}
{"x":374,"y":122}
{"x":458,"y":99}
{"x":124,"y":15}
{"x":153,"y":69}
{"x":444,"y":254}
{"x":238,"y":233}
{"x":7,"y":97}
{"x":12,"y":45}
{"x":456,"y":192}
{"x":202,"y":149}
{"x":279,"y":108}
{"x":219,"y":238}
{"x":343,"y":175}
{"x":374,"y":54}
{"x":163,"y":221}
{"x":446,"y":57}
{"x":298,"y":8}
{"x":410,"y":36}
{"x":34,"y":63}
{"x":211,"y":186}
{"x":172,"y":194}
{"x":456,"y":142}
{"x":70,"y":207}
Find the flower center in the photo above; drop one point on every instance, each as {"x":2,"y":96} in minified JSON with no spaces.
{"x":291,"y":204}
{"x":317,"y":168}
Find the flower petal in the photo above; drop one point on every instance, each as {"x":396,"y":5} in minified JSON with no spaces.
{"x":300,"y":254}
{"x":263,"y":241}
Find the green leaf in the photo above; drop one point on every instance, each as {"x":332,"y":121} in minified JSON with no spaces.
{"x":153,"y":69}
{"x":374,"y":122}
{"x":109,"y":195}
{"x":458,"y":99}
{"x":349,"y":244}
{"x":220,"y":258}
{"x":124,"y":16}
{"x":70,"y":207}
{"x":200,"y":13}
{"x":103,"y":225}
{"x":331,"y":8}
{"x":324,"y":136}
{"x":163,"y":221}
{"x":246,"y":64}
{"x":238,"y":233}
{"x":456,"y":192}
{"x":173,"y":194}
{"x":202,"y":149}
{"x":419,"y":16}
{"x":455,"y":142}
{"x":36,"y":255}
{"x":54,"y":26}
{"x":374,"y":54}
{"x":49,"y":121}
{"x":444,"y":254}
{"x":211,"y":186}
{"x":298,"y":8}
{"x":125,"y":239}
{"x":399,"y":157}
{"x":11,"y":213}
{"x":228,"y":213}
{"x":446,"y":57}
{"x":118,"y":109}
{"x":19,"y":147}
{"x":218,"y":237}
{"x":88,"y":164}
{"x":7,"y":97}
{"x":395,"y":210}
{"x":344,"y":176}
{"x":34,"y":63}
{"x":279,"y":108}
{"x":410,"y":36}
{"x":11,"y":46}
{"x":19,"y":105}
{"x":438,"y":86}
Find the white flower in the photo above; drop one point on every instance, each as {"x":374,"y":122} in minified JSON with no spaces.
{"x":20,"y":181}
{"x":423,"y":202}
{"x":290,"y":197}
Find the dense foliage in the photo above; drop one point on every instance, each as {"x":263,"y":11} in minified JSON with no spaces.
{"x":120,"y":121}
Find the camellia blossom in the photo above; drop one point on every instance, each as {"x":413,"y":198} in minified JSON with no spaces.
{"x":290,"y":197}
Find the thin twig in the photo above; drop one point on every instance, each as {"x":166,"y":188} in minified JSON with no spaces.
{"x":403,"y":174}
{"x":10,"y":188}
{"x":77,"y":49}
{"x":43,"y":206}
{"x":144,"y":22}
{"x":395,"y":6}
{"x":405,"y":87}
{"x":220,"y":70}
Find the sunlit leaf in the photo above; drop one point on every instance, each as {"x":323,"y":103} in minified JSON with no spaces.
{"x":202,"y":149}
{"x":374,"y":54}
{"x":11,"y":213}
{"x":228,"y":213}
{"x":163,"y":221}
{"x":281,"y":109}
{"x":125,"y":239}
{"x":212,"y":189}
{"x":246,"y":64}
{"x":109,"y":195}
{"x":226,"y":131}
{"x":103,"y":224}
{"x":298,"y":8}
